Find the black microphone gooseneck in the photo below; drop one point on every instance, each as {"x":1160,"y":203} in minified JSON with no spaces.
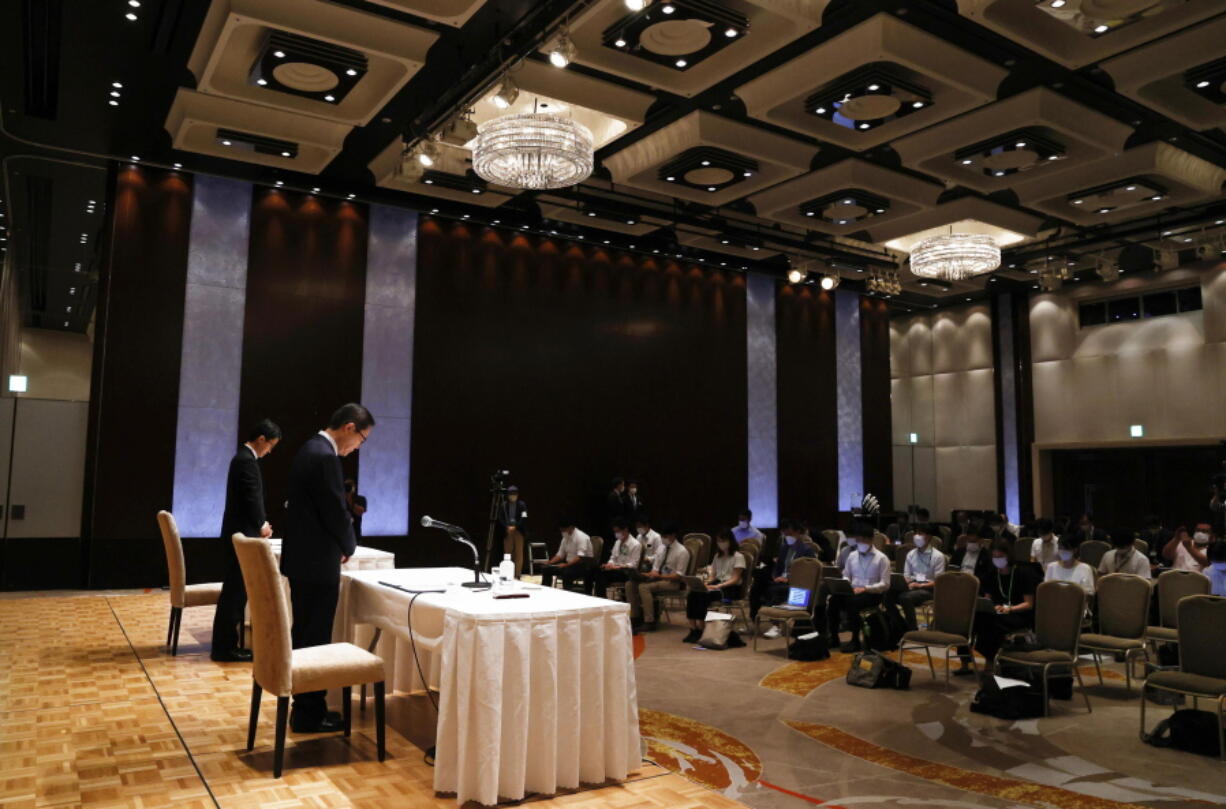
{"x":459,"y":535}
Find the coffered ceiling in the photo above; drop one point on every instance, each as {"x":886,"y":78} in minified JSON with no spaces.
{"x":754,"y":133}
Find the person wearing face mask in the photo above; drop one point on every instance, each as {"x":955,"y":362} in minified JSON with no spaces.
{"x":1011,"y":588}
{"x":868,"y":571}
{"x":1188,"y":552}
{"x":1124,"y":556}
{"x":1087,"y":530}
{"x":790,"y":549}
{"x":921,"y":568}
{"x":513,"y":524}
{"x":626,"y":555}
{"x":573,"y":559}
{"x":1156,"y":535}
{"x":1000,"y":528}
{"x":1045,"y":548}
{"x":971,"y":555}
{"x":634,"y":500}
{"x":648,"y":538}
{"x":670,"y":564}
{"x":1217,"y":568}
{"x":1066,"y":567}
{"x":725,"y":581}
{"x":744,"y":527}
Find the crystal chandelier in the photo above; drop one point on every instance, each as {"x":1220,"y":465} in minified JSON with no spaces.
{"x":533,"y":150}
{"x":955,"y":256}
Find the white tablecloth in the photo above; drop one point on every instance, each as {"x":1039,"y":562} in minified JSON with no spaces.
{"x":536,"y":694}
{"x":363,"y":558}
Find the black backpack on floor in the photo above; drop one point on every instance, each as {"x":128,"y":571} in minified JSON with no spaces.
{"x":883,"y":628}
{"x":1189,"y":730}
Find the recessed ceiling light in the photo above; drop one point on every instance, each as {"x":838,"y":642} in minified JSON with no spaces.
{"x":999,"y":173}
{"x":671,"y":179}
{"x":1102,"y":29}
{"x":118,"y":85}
{"x":1078,"y":201}
{"x":329,"y":97}
{"x":730,"y":32}
{"x":967,"y":161}
{"x":136,"y":158}
{"x":351,"y":72}
{"x":130,"y":16}
{"x":747,"y":174}
{"x":1053,"y":157}
{"x":820,"y":110}
{"x":865,"y":125}
{"x":476,"y":190}
{"x":226,"y":143}
{"x":113,"y":103}
{"x":1057,"y":3}
{"x":262,"y":82}
{"x":350,"y":196}
{"x":285,"y":154}
{"x":315,"y":190}
{"x":872,"y":88}
{"x":1021,"y":144}
{"x":680,"y":63}
{"x":710,"y":188}
{"x":1104,"y":210}
{"x":279,"y":54}
{"x":917,"y":104}
{"x":1131,"y":188}
{"x":1202,"y":84}
{"x":279,"y":183}
{"x":669,"y":9}
{"x":1220,"y":222}
{"x":114,"y":94}
{"x":1156,"y":197}
{"x":621,"y":43}
{"x":134,"y":3}
{"x":809,"y":213}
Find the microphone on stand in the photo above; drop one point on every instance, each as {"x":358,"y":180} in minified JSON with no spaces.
{"x":459,"y":535}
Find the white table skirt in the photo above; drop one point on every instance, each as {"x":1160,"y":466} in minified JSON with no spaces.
{"x":363,"y":558}
{"x":536,"y":694}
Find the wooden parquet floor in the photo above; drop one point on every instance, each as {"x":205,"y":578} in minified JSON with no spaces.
{"x":95,"y":713}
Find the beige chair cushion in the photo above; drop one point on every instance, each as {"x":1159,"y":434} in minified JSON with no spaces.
{"x":1183,"y":681}
{"x":781,"y":614}
{"x":1096,"y":641}
{"x":199,"y":595}
{"x":934,"y":638}
{"x":1163,"y":633}
{"x":1038,"y":657}
{"x":317,"y":668}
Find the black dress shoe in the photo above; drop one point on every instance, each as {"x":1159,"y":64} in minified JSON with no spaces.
{"x":232,"y":656}
{"x":329,"y":723}
{"x":850,"y":647}
{"x":694,"y":636}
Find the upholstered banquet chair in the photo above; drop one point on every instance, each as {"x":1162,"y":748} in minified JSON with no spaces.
{"x":284,"y":671}
{"x":954,"y":594}
{"x":1058,"y":609}
{"x":805,"y":573}
{"x":1173,"y":586}
{"x":1123,"y":612}
{"x":182,"y":594}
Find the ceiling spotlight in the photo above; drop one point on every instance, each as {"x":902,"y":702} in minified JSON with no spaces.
{"x":563,"y":52}
{"x":830,"y":281}
{"x":134,"y":3}
{"x":637,"y":5}
{"x":279,"y":54}
{"x":669,"y":8}
{"x":329,"y":98}
{"x":706,"y":162}
{"x":427,"y":153}
{"x":1078,"y":201}
{"x":1202,"y":84}
{"x":681,"y":63}
{"x":1156,"y":197}
{"x":872,"y":88}
{"x":671,"y":179}
{"x":226,"y":143}
{"x":820,"y":110}
{"x":115,"y":94}
{"x":350,"y":72}
{"x":621,"y":43}
{"x":730,"y":32}
{"x":315,"y":190}
{"x":1131,"y":188}
{"x":279,"y":183}
{"x":113,"y":103}
{"x":262,"y":82}
{"x":285,"y":154}
{"x":136,"y":158}
{"x":117,"y":85}
{"x":1057,"y":3}
{"x":1102,"y":29}
{"x":710,"y":188}
{"x":1021,"y":144}
{"x":131,"y":17}
{"x":350,"y":196}
{"x":967,"y":161}
{"x":1103,"y":210}
{"x":506,"y":93}
{"x":795,"y":276}
{"x":917,"y":104}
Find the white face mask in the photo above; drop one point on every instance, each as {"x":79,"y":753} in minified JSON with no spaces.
{"x":1001,"y":562}
{"x":1200,"y":538}
{"x":1066,"y":555}
{"x":743,"y":524}
{"x":863,"y":547}
{"x":972,"y":546}
{"x":790,"y":540}
{"x":919,"y":541}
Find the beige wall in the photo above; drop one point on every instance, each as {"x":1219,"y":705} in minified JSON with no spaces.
{"x":942,"y":388}
{"x":1168,"y":373}
{"x":57,"y":364}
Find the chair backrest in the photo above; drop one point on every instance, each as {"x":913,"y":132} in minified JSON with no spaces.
{"x":1091,"y":552}
{"x":1173,"y":586}
{"x":597,"y":548}
{"x":1021,"y":549}
{"x":946,"y":534}
{"x":174,"y":558}
{"x":806,"y":572}
{"x":694,"y":546}
{"x":954,"y":594}
{"x":704,"y":550}
{"x":936,"y":544}
{"x":832,"y":536}
{"x":900,"y":556}
{"x":1059,"y":607}
{"x":1123,"y":605}
{"x":1142,"y":546}
{"x":270,"y":621}
{"x":1202,"y":625}
{"x":880,"y":540}
{"x":751,"y":562}
{"x":756,"y":544}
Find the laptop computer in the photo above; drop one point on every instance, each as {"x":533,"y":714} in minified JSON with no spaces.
{"x":798,"y":599}
{"x":840,"y":587}
{"x":985,"y":604}
{"x":695,"y":584}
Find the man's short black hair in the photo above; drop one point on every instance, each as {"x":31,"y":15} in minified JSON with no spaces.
{"x":670,"y":529}
{"x":1153,"y":521}
{"x":1044,"y":526}
{"x":642,"y":519}
{"x":621,"y":524}
{"x":617,"y":481}
{"x":565,"y":522}
{"x":264,"y":428}
{"x":1217,"y":551}
{"x":745,"y":513}
{"x":860,"y":528}
{"x":352,"y":412}
{"x":1122,"y":538}
{"x":1003,"y":545}
{"x":922,"y":513}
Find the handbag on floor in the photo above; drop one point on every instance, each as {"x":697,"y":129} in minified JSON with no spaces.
{"x":1189,"y":730}
{"x":718,"y":635}
{"x":871,"y":670}
{"x":883,"y":628}
{"x":809,"y":647}
{"x":1021,"y":701}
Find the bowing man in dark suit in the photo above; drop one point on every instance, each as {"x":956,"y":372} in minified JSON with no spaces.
{"x":244,"y":514}
{"x":318,"y":539}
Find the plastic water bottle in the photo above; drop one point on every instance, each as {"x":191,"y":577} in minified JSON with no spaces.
{"x":506,"y":570}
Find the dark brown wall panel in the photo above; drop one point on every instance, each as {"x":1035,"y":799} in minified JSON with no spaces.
{"x":138,"y":337}
{"x":568,"y":364}
{"x":302,"y":332}
{"x":808,"y":441}
{"x":875,"y":399}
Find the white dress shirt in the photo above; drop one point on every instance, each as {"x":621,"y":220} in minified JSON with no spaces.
{"x":254,"y":453}
{"x":331,"y":442}
{"x":672,"y":559}
{"x":1133,"y":562}
{"x":1079,"y":574}
{"x":923,"y":565}
{"x":574,"y":545}
{"x":651,"y":543}
{"x":626,"y":554}
{"x":1045,"y":552}
{"x":868,"y":570}
{"x":723,"y":566}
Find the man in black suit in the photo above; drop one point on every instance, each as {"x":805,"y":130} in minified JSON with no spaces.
{"x":1087,"y":530}
{"x":633,"y":501}
{"x":244,"y":514}
{"x":318,"y":540}
{"x":512,"y":526}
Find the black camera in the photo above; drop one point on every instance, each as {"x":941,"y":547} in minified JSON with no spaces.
{"x":500,"y":476}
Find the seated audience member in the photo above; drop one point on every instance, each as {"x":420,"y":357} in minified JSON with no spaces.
{"x":1217,"y":568}
{"x":923,"y":522}
{"x":1030,"y":525}
{"x":625,"y":557}
{"x":1068,"y":568}
{"x":1011,"y":588}
{"x":1086,"y":530}
{"x":1188,"y":552}
{"x":1000,"y":528}
{"x":1124,"y":556}
{"x":725,"y":581}
{"x":790,"y":548}
{"x":1156,"y":535}
{"x":1044,"y":551}
{"x":744,"y":528}
{"x":670,"y":564}
{"x":961,"y":523}
{"x":972,"y":554}
{"x":921,"y":568}
{"x":648,"y":538}
{"x":806,"y":535}
{"x":868,"y":571}
{"x":573,"y":559}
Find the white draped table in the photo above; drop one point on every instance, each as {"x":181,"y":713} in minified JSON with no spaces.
{"x":536,"y":694}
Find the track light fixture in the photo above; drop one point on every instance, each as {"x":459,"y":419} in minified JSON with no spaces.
{"x":427,"y":153}
{"x":795,"y":276}
{"x":506,"y":93}
{"x":563,"y":51}
{"x":829,"y":282}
